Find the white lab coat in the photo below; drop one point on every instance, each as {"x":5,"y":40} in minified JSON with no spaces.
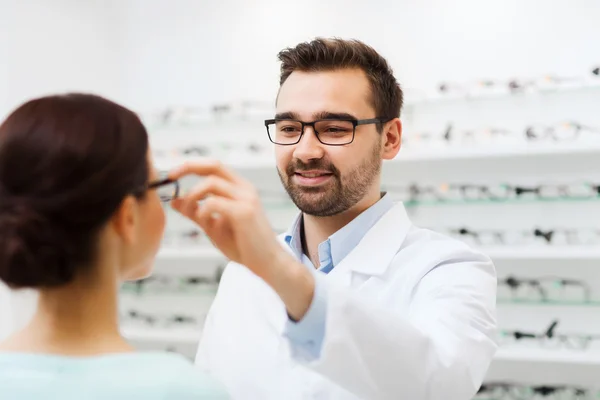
{"x":410,"y":315}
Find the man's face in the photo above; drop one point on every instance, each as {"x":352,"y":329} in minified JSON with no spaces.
{"x":327,"y":180}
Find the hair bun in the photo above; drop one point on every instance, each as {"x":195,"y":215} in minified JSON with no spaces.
{"x":28,"y":241}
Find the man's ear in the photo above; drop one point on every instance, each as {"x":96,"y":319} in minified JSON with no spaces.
{"x":124,"y":220}
{"x":392,"y":138}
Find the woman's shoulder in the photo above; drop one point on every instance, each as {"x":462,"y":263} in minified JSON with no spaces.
{"x":160,"y":375}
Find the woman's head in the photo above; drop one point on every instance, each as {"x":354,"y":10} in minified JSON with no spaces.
{"x":73,"y":175}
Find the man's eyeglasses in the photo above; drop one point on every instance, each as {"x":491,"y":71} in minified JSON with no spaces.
{"x":167,"y":189}
{"x":332,"y":132}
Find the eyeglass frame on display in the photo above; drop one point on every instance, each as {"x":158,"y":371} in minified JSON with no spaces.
{"x":154,"y":320}
{"x":549,"y":131}
{"x":513,"y":283}
{"x":451,"y":135}
{"x":171,"y":284}
{"x":440,"y":192}
{"x":330,"y":118}
{"x":510,"y":391}
{"x":500,"y":235}
{"x":562,"y":339}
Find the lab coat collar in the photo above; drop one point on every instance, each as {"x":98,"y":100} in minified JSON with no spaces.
{"x":337,"y":246}
{"x":375,"y":252}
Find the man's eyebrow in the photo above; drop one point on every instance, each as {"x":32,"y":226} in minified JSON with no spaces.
{"x":333,"y":115}
{"x":317,"y":116}
{"x":287,"y":115}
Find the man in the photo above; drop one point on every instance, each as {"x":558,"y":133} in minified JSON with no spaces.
{"x":354,"y":302}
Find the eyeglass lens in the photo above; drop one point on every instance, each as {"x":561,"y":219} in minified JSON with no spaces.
{"x":334,"y":132}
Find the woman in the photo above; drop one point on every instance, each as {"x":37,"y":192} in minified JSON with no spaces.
{"x":80,"y":212}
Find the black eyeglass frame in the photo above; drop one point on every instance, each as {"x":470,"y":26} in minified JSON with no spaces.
{"x":355,"y":123}
{"x":164,"y":182}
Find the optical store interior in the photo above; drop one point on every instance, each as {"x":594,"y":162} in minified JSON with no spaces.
{"x":500,"y":145}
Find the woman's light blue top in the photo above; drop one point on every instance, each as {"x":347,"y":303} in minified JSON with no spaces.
{"x":124,"y":376}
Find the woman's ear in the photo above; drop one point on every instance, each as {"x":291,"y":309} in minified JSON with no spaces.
{"x":392,"y":139}
{"x":124,"y":220}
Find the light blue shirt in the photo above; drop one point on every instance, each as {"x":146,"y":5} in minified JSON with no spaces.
{"x":125,"y":376}
{"x":306,"y":335}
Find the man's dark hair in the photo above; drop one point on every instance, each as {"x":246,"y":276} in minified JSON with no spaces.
{"x":332,"y":54}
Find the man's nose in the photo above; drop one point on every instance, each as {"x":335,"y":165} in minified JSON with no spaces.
{"x":309,"y":147}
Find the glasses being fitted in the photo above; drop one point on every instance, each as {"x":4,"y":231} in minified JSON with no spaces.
{"x":515,"y":391}
{"x":543,"y":289}
{"x":334,"y":130}
{"x":166,"y":188}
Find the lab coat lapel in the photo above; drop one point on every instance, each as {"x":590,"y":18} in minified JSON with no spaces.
{"x":375,"y":252}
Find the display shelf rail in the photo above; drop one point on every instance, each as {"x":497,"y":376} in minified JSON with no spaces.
{"x":540,"y":366}
{"x":185,"y":253}
{"x":415,"y":99}
{"x":499,"y":252}
{"x":571,"y":253}
{"x":202,"y":260}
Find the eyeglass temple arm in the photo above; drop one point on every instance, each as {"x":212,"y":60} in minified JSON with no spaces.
{"x":550,"y":331}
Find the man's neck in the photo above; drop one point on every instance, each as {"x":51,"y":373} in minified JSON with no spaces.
{"x":316,"y":230}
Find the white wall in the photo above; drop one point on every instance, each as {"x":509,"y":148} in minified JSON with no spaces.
{"x":58,"y":46}
{"x":198,"y":52}
{"x":4,"y":18}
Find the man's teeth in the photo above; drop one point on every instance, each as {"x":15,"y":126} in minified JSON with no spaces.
{"x":312,"y":175}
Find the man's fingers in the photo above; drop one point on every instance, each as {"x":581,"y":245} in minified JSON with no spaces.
{"x":186,"y":208}
{"x":213,"y":186}
{"x":205,"y":168}
{"x":214,"y":208}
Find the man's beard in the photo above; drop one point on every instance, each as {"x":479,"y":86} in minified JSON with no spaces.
{"x":340,"y":193}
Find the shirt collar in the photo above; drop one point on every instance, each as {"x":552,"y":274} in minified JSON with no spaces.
{"x":344,"y":240}
{"x":293,"y":236}
{"x":341,"y":243}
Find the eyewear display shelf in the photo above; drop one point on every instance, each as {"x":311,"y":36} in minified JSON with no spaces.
{"x":482,"y":161}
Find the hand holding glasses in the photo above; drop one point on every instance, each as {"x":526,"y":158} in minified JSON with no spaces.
{"x":166,"y":188}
